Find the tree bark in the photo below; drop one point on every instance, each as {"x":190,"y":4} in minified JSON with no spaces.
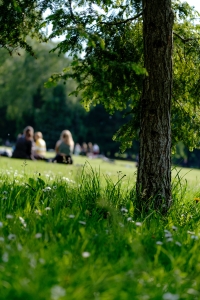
{"x":154,"y":169}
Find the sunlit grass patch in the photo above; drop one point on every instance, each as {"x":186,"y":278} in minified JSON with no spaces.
{"x":71,"y":233}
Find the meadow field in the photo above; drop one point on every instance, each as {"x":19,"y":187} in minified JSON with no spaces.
{"x":69,"y":232}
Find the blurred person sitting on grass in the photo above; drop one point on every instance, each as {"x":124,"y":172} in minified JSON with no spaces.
{"x":64,"y":148}
{"x":39,"y":146}
{"x":24,"y":145}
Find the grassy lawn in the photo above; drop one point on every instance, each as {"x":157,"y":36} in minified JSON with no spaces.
{"x":69,"y":232}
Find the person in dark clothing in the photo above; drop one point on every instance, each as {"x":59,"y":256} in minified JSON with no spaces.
{"x":24,"y":145}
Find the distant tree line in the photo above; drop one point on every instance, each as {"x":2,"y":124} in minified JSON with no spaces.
{"x":25,"y":101}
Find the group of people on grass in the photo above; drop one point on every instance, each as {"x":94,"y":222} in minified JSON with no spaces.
{"x":32,"y":146}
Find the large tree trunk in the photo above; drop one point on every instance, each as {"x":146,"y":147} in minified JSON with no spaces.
{"x":154,"y":170}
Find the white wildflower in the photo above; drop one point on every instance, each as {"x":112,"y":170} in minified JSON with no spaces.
{"x":174,"y":228}
{"x":159,"y":243}
{"x":178,"y":243}
{"x":169,"y":240}
{"x":192,"y":292}
{"x":4,"y":192}
{"x":47,"y":189}
{"x":124,"y":209}
{"x":82,"y":222}
{"x":38,"y":212}
{"x":190,"y":232}
{"x":169,"y":296}
{"x":138,"y":223}
{"x":168,"y":234}
{"x":38,"y":235}
{"x":9,"y":216}
{"x":86,"y":254}
{"x":47,"y":208}
{"x":19,"y":247}
{"x":1,"y":224}
{"x":22,"y":221}
{"x":194,"y":237}
{"x":11,"y":236}
{"x":129,"y":219}
{"x":71,"y":216}
{"x":57,"y":292}
{"x":42,"y":261}
{"x":5,"y":257}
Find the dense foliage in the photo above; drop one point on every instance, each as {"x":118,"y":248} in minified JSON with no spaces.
{"x":110,"y":71}
{"x":18,"y":20}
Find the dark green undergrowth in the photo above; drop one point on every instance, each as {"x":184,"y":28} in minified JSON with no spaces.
{"x":64,"y":238}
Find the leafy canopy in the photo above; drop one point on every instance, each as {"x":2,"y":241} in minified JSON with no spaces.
{"x":105,"y":40}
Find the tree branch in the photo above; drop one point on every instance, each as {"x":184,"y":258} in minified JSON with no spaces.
{"x":123,"y":21}
{"x":184,"y":40}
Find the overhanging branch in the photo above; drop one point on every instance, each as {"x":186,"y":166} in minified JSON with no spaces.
{"x":123,"y":21}
{"x":184,"y":40}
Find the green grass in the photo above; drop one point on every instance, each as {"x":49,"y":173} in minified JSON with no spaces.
{"x":67,"y":232}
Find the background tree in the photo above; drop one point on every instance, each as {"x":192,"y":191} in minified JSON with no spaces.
{"x":111,"y":72}
{"x":18,"y":20}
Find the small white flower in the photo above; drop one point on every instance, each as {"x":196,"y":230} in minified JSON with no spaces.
{"x":4,"y":192}
{"x":178,"y":243}
{"x":54,"y":187}
{"x":194,"y":237}
{"x":11,"y":236}
{"x":19,"y":247}
{"x":123,"y":209}
{"x":169,"y":240}
{"x":82,"y":222}
{"x":42,"y":260}
{"x":169,"y":296}
{"x":5,"y":257}
{"x":86,"y":254}
{"x":129,"y":219}
{"x":1,"y":224}
{"x":168,"y":235}
{"x":22,"y":221}
{"x":57,"y":292}
{"x":4,"y":198}
{"x":9,"y":216}
{"x":190,"y":232}
{"x":48,"y":188}
{"x":47,"y":208}
{"x":174,"y":228}
{"x":138,"y":223}
{"x":38,"y":235}
{"x":38,"y":212}
{"x":159,"y":243}
{"x":67,"y":179}
{"x":71,"y":216}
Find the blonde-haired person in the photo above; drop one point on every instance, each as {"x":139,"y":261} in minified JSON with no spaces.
{"x":64,"y":148}
{"x":40,"y":146}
